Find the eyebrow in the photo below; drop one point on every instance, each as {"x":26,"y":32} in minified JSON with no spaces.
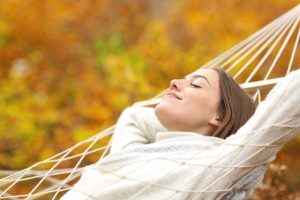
{"x":199,"y":76}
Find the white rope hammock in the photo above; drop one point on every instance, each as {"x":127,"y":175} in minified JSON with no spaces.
{"x":259,"y":62}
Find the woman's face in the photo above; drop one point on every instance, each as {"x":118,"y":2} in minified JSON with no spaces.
{"x":191,"y":103}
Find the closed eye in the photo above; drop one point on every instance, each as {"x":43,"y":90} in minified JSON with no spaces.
{"x":197,"y":86}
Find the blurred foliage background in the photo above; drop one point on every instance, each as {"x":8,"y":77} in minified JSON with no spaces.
{"x":69,"y":68}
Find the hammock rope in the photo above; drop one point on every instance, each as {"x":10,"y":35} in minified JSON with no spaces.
{"x":259,"y":48}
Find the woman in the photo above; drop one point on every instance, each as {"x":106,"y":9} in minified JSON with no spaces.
{"x":183,"y":149}
{"x":214,"y":103}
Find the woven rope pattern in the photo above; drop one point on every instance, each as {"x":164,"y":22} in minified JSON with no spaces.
{"x":50,"y":181}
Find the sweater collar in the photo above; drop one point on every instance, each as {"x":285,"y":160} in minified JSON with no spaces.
{"x":165,"y":134}
{"x":175,"y":134}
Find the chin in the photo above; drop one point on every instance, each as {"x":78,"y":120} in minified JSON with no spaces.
{"x":158,"y":110}
{"x":162,"y":108}
{"x":161,"y":113}
{"x":164,"y":114}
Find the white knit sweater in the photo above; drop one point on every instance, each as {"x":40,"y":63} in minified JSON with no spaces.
{"x":147,"y":161}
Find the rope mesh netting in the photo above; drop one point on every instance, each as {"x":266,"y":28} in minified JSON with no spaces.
{"x":258,"y":62}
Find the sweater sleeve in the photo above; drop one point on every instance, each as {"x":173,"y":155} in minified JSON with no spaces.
{"x":135,"y":126}
{"x":275,"y":122}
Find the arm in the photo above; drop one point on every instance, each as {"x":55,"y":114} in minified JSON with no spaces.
{"x":275,"y":122}
{"x":135,"y":126}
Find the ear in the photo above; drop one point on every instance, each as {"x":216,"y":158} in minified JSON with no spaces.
{"x":215,"y":121}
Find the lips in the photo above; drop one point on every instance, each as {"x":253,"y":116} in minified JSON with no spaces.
{"x":173,"y":94}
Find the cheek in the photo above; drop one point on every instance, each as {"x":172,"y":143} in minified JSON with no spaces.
{"x":203,"y":100}
{"x":204,"y":103}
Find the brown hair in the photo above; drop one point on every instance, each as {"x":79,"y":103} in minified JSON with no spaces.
{"x":235,"y":107}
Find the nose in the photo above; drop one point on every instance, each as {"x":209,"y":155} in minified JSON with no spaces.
{"x":174,"y":84}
